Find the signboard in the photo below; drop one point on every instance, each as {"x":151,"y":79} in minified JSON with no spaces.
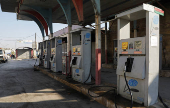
{"x":124,"y":52}
{"x":74,"y":49}
{"x":53,"y":50}
{"x":159,"y":11}
{"x":25,"y":41}
{"x":124,"y":45}
{"x":138,"y":45}
{"x":154,"y":41}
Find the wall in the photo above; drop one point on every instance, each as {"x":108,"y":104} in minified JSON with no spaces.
{"x":23,"y":54}
{"x":165,"y":31}
{"x":111,"y":35}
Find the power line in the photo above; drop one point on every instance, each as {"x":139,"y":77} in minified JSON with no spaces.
{"x":28,"y":36}
{"x":39,"y":37}
{"x":20,"y":39}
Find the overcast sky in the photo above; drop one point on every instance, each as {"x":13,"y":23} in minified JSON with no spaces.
{"x":12,"y":30}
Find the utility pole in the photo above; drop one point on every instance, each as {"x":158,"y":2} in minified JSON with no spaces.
{"x":35,"y":49}
{"x":35,"y":42}
{"x":106,"y":43}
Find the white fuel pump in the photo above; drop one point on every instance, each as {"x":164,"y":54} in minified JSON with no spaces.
{"x":40,"y":55}
{"x":81,"y":55}
{"x":56,"y":54}
{"x":46,"y":53}
{"x":138,"y":58}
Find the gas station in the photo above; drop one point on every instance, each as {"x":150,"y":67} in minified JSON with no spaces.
{"x":136,"y":59}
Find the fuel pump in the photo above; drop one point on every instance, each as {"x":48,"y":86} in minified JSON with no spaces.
{"x":56,"y":54}
{"x":40,"y":50}
{"x":138,"y":58}
{"x":46,"y":53}
{"x":81,"y":55}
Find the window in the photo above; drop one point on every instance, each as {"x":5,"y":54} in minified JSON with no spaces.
{"x":1,"y":52}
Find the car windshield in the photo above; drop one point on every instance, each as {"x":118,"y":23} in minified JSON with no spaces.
{"x":0,"y":51}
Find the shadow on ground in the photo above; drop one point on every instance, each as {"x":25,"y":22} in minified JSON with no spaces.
{"x":22,"y":87}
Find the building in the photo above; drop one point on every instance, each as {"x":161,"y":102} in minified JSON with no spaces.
{"x":24,"y":53}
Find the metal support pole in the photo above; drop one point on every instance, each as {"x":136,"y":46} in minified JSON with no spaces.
{"x":98,"y":49}
{"x":51,"y":35}
{"x":69,"y":47}
{"x":135,"y":29}
{"x":35,"y":42}
{"x":48,"y":37}
{"x":35,"y":50}
{"x":106,"y":62}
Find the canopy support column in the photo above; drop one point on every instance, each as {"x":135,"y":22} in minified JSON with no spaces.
{"x":97,"y":10}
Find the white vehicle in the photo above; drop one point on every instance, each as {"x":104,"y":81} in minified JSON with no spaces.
{"x":3,"y":56}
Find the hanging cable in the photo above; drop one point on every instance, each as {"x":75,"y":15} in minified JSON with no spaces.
{"x":160,"y":98}
{"x":90,"y":74}
{"x":126,"y":64}
{"x":129,"y":89}
{"x":113,"y":89}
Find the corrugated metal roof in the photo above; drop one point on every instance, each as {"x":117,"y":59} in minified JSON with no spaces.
{"x":24,"y":48}
{"x":108,"y":8}
{"x":65,"y":30}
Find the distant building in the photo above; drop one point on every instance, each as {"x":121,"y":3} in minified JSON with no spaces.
{"x":24,"y":53}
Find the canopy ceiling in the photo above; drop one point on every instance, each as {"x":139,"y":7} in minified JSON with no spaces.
{"x":108,"y":9}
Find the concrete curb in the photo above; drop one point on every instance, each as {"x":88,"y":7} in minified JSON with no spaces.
{"x":108,"y":66}
{"x":83,"y":89}
{"x":165,"y":73}
{"x":102,"y":100}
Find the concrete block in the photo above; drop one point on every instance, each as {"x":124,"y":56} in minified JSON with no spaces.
{"x":164,"y":73}
{"x":109,"y":66}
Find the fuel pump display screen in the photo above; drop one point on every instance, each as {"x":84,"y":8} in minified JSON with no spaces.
{"x":138,"y":44}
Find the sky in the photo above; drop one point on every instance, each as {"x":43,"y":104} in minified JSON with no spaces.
{"x":12,"y":30}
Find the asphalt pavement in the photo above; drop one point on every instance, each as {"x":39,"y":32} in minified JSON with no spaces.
{"x":22,"y":87}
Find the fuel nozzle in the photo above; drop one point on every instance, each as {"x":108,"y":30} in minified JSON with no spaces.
{"x":128,"y":64}
{"x":125,"y":66}
{"x":43,"y":56}
{"x":51,"y":57}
